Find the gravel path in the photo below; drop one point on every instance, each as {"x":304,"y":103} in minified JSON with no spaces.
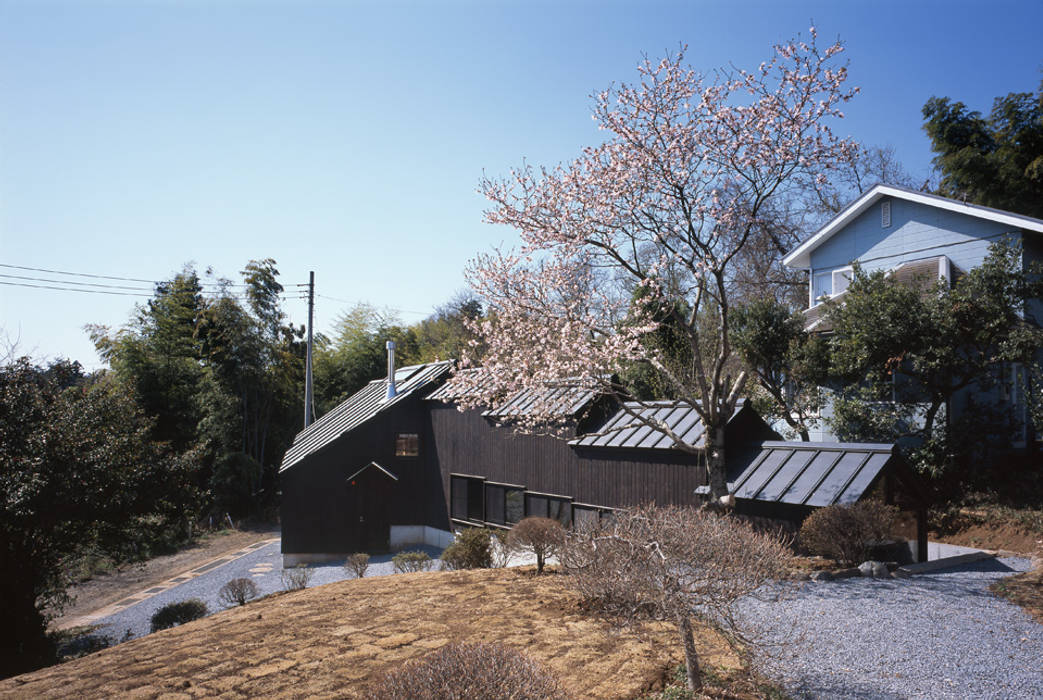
{"x":263,"y":566}
{"x":941,"y":635}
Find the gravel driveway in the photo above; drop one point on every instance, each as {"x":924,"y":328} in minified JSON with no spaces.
{"x":263,"y":566}
{"x":941,"y":635}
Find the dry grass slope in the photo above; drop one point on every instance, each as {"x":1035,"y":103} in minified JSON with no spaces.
{"x":331,"y":641}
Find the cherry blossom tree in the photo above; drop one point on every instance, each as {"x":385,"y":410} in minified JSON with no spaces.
{"x":646,"y":228}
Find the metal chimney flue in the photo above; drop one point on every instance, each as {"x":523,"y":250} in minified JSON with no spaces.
{"x":391,"y":370}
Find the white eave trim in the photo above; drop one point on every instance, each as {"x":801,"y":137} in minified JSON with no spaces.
{"x":800,"y":257}
{"x":372,"y":464}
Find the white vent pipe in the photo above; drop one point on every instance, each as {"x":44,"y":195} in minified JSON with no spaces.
{"x":391,"y":370}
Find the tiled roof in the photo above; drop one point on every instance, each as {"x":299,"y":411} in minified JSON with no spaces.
{"x":360,"y":407}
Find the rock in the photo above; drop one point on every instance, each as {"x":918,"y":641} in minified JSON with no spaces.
{"x":821,"y":576}
{"x":846,"y":573}
{"x":874,"y":569}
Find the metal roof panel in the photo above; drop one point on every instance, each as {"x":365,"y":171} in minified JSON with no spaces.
{"x":359,"y":408}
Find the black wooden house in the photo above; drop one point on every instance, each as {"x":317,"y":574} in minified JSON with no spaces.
{"x":399,"y":464}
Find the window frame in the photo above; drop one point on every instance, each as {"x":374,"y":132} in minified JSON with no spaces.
{"x":404,"y":439}
{"x":469,"y":480}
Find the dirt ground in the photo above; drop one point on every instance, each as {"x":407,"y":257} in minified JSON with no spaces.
{"x":331,"y":641}
{"x":108,"y":588}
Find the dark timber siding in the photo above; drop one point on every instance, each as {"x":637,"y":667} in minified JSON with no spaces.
{"x":469,"y":444}
{"x":320,"y":513}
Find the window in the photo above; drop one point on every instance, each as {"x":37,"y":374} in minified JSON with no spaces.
{"x":554,"y":507}
{"x":514,"y":505}
{"x":504,"y":503}
{"x":841,"y":279}
{"x":586,"y":517}
{"x":407,"y":445}
{"x":823,"y":284}
{"x":494,"y":503}
{"x":885,"y":214}
{"x":466,"y":496}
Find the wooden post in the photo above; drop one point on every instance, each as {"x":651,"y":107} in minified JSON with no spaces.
{"x":921,"y":534}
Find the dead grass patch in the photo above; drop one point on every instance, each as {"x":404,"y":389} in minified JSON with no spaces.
{"x":332,"y":641}
{"x":1025,"y":589}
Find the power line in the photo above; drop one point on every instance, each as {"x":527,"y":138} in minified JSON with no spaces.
{"x":111,"y":277}
{"x":286,"y":297}
{"x":401,"y":311}
{"x":79,"y":284}
{"x":75,"y":289}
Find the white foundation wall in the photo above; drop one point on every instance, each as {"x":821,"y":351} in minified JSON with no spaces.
{"x":400,"y":537}
{"x":403,"y":535}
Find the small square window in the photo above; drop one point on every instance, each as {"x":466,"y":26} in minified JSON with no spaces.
{"x":407,"y":445}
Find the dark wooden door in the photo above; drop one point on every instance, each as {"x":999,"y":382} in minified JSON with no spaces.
{"x":371,"y":493}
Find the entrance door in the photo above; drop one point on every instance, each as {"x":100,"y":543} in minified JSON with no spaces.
{"x":370,"y":494}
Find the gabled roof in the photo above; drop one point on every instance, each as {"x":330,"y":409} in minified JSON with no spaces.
{"x":360,"y":407}
{"x":811,"y":474}
{"x":560,"y":400}
{"x":627,"y":430}
{"x":800,"y":256}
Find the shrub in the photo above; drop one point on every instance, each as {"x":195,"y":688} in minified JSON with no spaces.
{"x":472,"y":549}
{"x":847,"y":532}
{"x":357,"y":564}
{"x":238,"y":591}
{"x":501,"y":552}
{"x":458,"y":671}
{"x":408,"y":562}
{"x":174,"y":614}
{"x":675,"y":563}
{"x":541,"y":536}
{"x":296,"y":578}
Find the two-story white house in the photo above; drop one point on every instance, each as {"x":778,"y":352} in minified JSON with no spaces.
{"x":915,"y":235}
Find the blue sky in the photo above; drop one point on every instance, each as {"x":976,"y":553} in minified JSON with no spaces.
{"x":348,"y":138}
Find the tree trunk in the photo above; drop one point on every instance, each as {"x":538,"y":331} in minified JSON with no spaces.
{"x":715,"y":463}
{"x":691,"y":656}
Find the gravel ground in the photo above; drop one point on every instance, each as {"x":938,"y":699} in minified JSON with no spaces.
{"x":263,"y":566}
{"x":941,"y":635}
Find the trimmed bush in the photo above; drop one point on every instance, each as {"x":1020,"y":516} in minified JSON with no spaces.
{"x":472,"y":549}
{"x":541,"y":536}
{"x":174,"y":614}
{"x":501,"y":551}
{"x":459,"y":671}
{"x":238,"y":591}
{"x":357,"y":564}
{"x":409,"y":562}
{"x":296,"y":578}
{"x":847,"y":533}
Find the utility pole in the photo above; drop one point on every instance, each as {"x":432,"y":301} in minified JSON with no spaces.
{"x":308,"y":399}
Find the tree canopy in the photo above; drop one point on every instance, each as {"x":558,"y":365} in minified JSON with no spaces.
{"x":683,"y":183}
{"x":220,"y":372}
{"x":900,"y":354}
{"x":994,"y":160}
{"x":78,"y":472}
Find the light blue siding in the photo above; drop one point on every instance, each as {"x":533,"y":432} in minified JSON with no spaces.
{"x":1032,"y":247}
{"x":917,"y":231}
